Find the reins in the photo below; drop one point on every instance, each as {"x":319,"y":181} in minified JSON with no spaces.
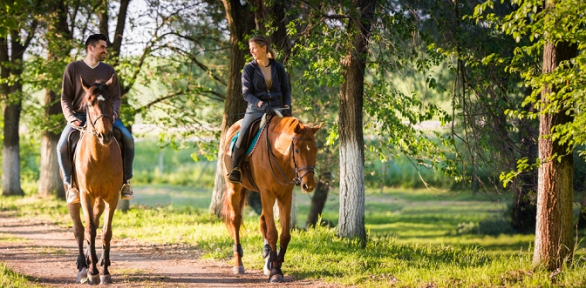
{"x":297,"y":178}
{"x":84,"y":129}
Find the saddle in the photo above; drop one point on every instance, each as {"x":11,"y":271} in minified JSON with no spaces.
{"x":251,"y":142}
{"x":73,"y":139}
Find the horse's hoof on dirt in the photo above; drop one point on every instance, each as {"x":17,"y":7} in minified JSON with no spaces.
{"x":93,"y":279}
{"x":81,"y":276}
{"x":238,"y":270}
{"x":277,"y":278}
{"x":105,"y":279}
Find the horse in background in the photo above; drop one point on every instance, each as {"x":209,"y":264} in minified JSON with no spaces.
{"x":283,"y":157}
{"x":98,"y":177}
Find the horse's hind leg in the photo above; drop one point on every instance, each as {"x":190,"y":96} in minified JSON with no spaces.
{"x":79,"y":237}
{"x":105,"y":277}
{"x":234,"y":201}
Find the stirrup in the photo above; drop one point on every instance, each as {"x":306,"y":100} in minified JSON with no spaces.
{"x":235,"y":175}
{"x":126,"y":192}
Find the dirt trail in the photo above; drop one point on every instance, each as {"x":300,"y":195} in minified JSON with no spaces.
{"x":48,"y":252}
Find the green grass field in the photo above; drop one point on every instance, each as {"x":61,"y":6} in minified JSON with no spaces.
{"x":415,"y":238}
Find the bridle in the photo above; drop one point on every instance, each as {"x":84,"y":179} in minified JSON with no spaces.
{"x":297,"y":178}
{"x":92,"y":131}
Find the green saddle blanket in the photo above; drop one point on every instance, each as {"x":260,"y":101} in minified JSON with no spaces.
{"x":250,"y":146}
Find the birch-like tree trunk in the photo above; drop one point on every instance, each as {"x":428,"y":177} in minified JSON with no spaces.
{"x":351,"y":218}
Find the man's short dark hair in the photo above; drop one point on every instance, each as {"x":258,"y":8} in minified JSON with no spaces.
{"x":94,"y":39}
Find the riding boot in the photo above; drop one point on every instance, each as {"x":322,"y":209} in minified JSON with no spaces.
{"x":237,"y":157}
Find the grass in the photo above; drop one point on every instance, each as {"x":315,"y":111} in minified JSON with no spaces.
{"x":413,"y":239}
{"x":11,"y":279}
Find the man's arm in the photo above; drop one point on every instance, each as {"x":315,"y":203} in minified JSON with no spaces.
{"x":67,"y":96}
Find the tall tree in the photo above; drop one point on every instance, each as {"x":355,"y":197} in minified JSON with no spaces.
{"x":14,"y":41}
{"x":554,"y":236}
{"x":351,"y":223}
{"x":240,"y":24}
{"x":556,"y":32}
{"x":59,"y":44}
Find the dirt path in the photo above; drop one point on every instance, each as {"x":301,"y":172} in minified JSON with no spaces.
{"x":48,"y":252}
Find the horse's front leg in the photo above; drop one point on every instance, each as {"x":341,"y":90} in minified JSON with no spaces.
{"x":269,"y":231}
{"x":105,"y":277}
{"x":284,"y":216}
{"x":233,"y":204}
{"x":90,"y":235}
{"x":78,"y":228}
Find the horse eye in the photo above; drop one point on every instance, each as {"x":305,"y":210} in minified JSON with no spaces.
{"x":297,"y":150}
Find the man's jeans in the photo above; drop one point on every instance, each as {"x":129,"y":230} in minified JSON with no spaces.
{"x":65,"y":160}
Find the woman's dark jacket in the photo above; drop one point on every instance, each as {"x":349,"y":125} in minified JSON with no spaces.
{"x":254,"y":86}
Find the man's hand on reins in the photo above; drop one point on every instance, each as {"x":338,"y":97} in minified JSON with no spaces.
{"x":76,"y":123}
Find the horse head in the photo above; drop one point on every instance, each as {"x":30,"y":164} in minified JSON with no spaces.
{"x":305,"y":155}
{"x":100,"y":110}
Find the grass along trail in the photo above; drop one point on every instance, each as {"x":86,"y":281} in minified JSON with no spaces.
{"x":46,"y":253}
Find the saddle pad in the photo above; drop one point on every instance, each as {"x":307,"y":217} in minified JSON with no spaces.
{"x":250,"y":146}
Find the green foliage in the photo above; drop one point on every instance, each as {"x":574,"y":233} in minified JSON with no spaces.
{"x":562,"y":22}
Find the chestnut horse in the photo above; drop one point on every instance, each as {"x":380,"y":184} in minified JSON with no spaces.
{"x":98,"y":177}
{"x":284,"y":156}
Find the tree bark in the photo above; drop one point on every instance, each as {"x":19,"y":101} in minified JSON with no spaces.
{"x":50,"y":182}
{"x":240,"y":23}
{"x":351,"y":223}
{"x":554,"y":243}
{"x":11,"y":95}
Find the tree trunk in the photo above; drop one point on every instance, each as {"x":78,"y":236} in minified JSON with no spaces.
{"x":318,"y":201}
{"x":240,"y":23}
{"x":351,"y":223}
{"x":554,"y":243}
{"x":50,"y":178}
{"x":12,"y":98}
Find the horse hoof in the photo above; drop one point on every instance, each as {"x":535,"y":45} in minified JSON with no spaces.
{"x":105,"y":279}
{"x":82,"y":276}
{"x":277,"y":278}
{"x":93,"y":279}
{"x":238,"y":270}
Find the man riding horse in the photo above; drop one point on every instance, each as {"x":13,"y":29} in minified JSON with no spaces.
{"x":91,"y":69}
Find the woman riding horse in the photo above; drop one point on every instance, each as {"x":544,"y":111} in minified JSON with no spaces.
{"x":284,"y":156}
{"x":265,"y":87}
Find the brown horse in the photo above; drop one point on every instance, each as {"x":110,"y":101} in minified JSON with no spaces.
{"x":98,"y":176}
{"x":284,"y":156}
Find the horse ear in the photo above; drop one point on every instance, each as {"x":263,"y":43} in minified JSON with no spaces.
{"x":297,"y":128}
{"x":110,"y":81}
{"x":85,"y":88}
{"x":315,"y":128}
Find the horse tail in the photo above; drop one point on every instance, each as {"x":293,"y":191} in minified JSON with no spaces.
{"x":227,"y":213}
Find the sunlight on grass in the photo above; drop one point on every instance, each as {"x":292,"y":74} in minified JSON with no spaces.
{"x":7,"y":238}
{"x":413,"y":241}
{"x":9,"y":278}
